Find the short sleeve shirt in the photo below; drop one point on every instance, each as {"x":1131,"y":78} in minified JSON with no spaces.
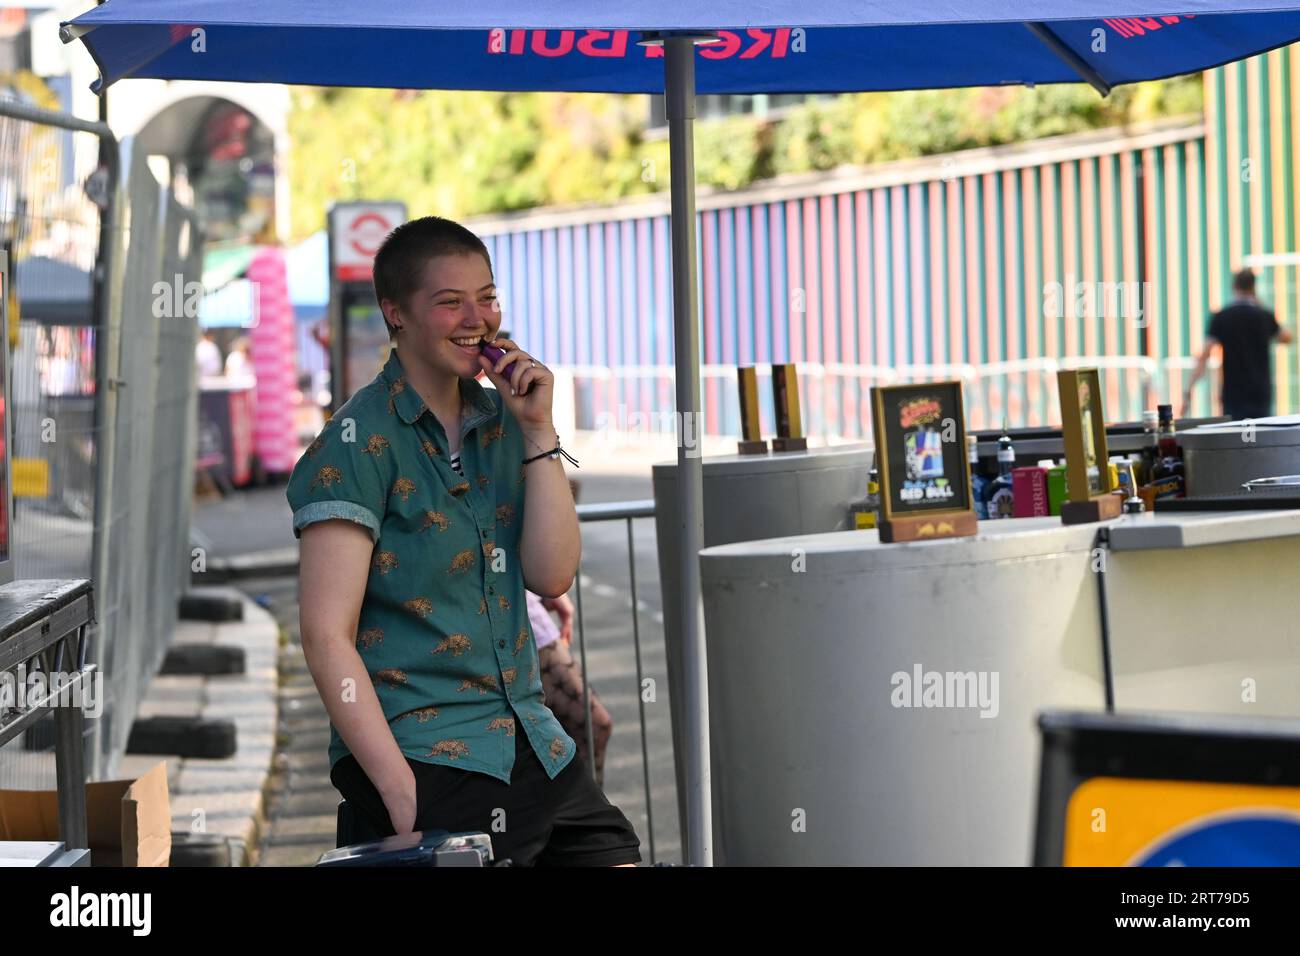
{"x":443,"y":630}
{"x":1245,"y":329}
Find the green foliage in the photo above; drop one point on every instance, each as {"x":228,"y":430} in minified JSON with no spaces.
{"x":460,"y":153}
{"x":465,"y":153}
{"x":731,"y":152}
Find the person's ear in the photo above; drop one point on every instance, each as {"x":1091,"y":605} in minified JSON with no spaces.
{"x":392,"y":314}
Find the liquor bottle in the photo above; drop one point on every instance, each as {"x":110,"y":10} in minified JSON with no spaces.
{"x":1121,"y":463}
{"x":863,"y":512}
{"x":978,"y":483}
{"x":1150,"y":446}
{"x":1000,"y":495}
{"x":1167,"y":477}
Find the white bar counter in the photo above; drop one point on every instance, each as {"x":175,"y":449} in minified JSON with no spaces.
{"x":1205,"y":612}
{"x":826,"y":754}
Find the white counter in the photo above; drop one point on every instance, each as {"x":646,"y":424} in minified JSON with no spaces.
{"x":817,"y":762}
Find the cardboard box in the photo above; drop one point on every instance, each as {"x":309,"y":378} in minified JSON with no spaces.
{"x":1029,"y":488}
{"x":129,"y":822}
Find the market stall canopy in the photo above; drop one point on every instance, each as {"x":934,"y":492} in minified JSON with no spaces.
{"x":228,"y":295}
{"x":231,"y":306}
{"x":54,"y":292}
{"x":591,"y":45}
{"x":224,"y":264}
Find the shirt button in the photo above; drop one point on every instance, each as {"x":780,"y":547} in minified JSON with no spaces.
{"x":501,"y":643}
{"x":492,"y":590}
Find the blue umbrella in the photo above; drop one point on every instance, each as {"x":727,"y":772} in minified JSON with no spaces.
{"x":735,"y":46}
{"x":768,"y":47}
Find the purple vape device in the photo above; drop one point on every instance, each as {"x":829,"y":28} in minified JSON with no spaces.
{"x":494,"y":354}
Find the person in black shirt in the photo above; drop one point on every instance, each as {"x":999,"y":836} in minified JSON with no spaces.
{"x":1243,"y":329}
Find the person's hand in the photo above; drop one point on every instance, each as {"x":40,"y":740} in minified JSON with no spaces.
{"x":400,"y":803}
{"x":321,"y":333}
{"x":563,"y":609}
{"x":1187,"y":405}
{"x":526,"y":387}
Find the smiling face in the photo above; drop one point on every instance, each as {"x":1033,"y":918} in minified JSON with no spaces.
{"x":452,"y":309}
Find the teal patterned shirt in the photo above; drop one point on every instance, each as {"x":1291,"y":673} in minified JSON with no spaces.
{"x":443,"y":630}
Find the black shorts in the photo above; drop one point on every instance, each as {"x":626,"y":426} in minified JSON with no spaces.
{"x":533,"y":820}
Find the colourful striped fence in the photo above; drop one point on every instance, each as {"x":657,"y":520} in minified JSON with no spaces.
{"x":966,"y":265}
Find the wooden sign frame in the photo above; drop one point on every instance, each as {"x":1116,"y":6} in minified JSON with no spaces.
{"x":785,"y":401}
{"x":752,"y":441}
{"x":895,"y":409}
{"x":1083,"y":423}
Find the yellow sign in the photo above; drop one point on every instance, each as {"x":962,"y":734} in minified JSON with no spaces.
{"x":1122,"y":822}
{"x":31,"y":478}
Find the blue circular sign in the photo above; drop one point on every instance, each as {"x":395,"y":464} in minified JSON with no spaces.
{"x":1234,"y":841}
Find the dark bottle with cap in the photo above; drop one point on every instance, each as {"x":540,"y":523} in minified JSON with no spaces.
{"x":978,"y":483}
{"x":1150,"y":446}
{"x":1167,"y":479}
{"x":999,"y":499}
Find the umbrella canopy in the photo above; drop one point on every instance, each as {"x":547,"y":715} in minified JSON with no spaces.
{"x":768,"y":47}
{"x":761,"y":46}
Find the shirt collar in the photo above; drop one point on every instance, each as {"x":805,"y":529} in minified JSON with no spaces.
{"x":409,"y":406}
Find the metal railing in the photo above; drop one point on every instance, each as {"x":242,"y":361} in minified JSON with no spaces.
{"x":626,"y":511}
{"x":836,"y":394}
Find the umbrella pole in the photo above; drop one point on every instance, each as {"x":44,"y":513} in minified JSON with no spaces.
{"x":679,"y":97}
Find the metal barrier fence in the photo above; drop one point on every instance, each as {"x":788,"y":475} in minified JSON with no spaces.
{"x":52,"y":228}
{"x":53,"y":394}
{"x":626,"y":511}
{"x":103,"y":402}
{"x":147,"y":473}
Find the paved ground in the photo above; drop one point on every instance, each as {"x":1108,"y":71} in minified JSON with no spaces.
{"x":224,"y":796}
{"x":300,"y":801}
